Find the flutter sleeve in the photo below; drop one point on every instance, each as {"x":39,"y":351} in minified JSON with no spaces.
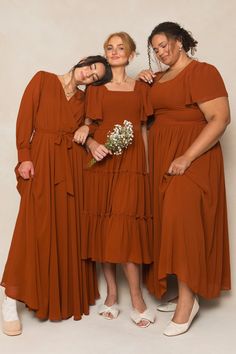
{"x":204,"y":84}
{"x":93,"y":102}
{"x":147,"y":109}
{"x":25,"y":124}
{"x":93,"y":106}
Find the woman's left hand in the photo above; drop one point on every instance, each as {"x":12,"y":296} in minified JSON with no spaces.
{"x":179,"y":166}
{"x":81,"y":135}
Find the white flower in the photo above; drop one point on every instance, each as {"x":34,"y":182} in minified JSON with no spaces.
{"x":118,"y":139}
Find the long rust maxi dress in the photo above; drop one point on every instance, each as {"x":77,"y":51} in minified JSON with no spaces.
{"x":117,"y":217}
{"x":189,"y":211}
{"x":44,"y":267}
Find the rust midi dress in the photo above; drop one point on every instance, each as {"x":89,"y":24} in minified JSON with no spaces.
{"x":117,"y":216}
{"x":44,"y":267}
{"x":189,"y":211}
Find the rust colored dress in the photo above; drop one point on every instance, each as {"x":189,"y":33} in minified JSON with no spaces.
{"x":117,"y":225}
{"x":189,"y":211}
{"x":44,"y":267}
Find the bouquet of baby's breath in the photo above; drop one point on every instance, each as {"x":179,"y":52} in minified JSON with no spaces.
{"x":118,"y":139}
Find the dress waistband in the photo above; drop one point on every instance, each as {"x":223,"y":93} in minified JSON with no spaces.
{"x":62,"y":159}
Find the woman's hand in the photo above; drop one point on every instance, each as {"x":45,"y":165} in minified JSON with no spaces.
{"x":146,"y":76}
{"x":26,"y":169}
{"x":98,"y":151}
{"x":81,"y":135}
{"x":179,"y":166}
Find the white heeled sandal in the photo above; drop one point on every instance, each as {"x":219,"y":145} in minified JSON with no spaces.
{"x":175,"y":329}
{"x":106,"y":311}
{"x":11,"y":325}
{"x":148,"y":316}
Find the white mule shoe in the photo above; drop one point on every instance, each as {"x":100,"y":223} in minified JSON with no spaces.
{"x":146,"y":315}
{"x":167,"y":307}
{"x":11,"y":324}
{"x":106,"y":311}
{"x":174,"y":329}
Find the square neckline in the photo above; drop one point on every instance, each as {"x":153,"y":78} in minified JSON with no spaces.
{"x":134,"y":88}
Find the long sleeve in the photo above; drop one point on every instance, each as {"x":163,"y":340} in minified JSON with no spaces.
{"x":26,"y":117}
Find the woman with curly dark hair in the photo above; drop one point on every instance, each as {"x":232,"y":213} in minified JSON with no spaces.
{"x":187,"y":175}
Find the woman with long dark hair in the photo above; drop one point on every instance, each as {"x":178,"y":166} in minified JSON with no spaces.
{"x":44,"y":269}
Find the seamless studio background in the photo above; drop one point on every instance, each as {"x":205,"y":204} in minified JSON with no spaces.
{"x":53,"y":35}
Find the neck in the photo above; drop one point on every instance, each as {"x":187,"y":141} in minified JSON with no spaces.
{"x":69,"y":81}
{"x":119,"y":74}
{"x":182,"y":61}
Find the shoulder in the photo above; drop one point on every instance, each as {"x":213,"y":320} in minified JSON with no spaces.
{"x":35,"y":82}
{"x":45,"y":75}
{"x":94,"y":91}
{"x":203,"y":68}
{"x":203,"y":83}
{"x":39,"y":76}
{"x":142,"y":86}
{"x":92,"y":88}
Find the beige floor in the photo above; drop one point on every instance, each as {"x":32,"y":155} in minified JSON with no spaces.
{"x":213,"y":332}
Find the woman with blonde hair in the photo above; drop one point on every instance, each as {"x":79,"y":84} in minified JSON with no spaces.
{"x":117,"y":225}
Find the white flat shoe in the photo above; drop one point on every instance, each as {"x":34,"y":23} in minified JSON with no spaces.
{"x":167,"y":307}
{"x":175,"y":329}
{"x":148,"y":316}
{"x":106,"y":311}
{"x":11,"y":325}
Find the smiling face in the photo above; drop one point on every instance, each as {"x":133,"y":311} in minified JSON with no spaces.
{"x":167,"y":50}
{"x":86,"y":75}
{"x":116,"y":52}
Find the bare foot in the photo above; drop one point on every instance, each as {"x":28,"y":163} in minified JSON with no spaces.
{"x":140,"y":306}
{"x":111,"y":299}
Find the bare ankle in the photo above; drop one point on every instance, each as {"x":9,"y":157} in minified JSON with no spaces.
{"x":111,"y":299}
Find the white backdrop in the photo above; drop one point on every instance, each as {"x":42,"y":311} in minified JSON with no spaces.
{"x":53,"y":34}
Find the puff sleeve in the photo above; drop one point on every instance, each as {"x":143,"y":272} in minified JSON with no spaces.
{"x":25,"y":124}
{"x":205,"y":83}
{"x":147,"y":109}
{"x":93,"y":102}
{"x":93,"y":106}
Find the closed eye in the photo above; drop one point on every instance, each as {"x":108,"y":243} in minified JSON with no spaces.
{"x":161,"y":45}
{"x":95,"y":77}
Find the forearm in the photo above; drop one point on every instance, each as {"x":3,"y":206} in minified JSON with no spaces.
{"x":89,"y":142}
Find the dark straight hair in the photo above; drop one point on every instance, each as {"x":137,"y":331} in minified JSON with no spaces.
{"x":96,"y":59}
